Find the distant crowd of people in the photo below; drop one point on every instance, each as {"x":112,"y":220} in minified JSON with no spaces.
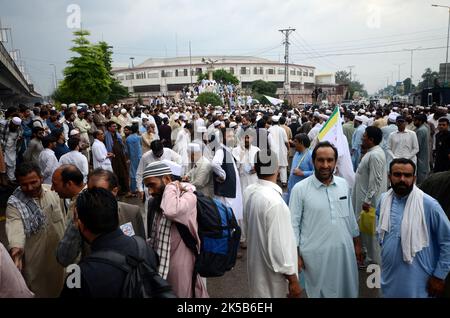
{"x":70,"y":167}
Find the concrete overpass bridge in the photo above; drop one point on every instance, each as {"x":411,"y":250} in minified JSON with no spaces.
{"x":14,"y":88}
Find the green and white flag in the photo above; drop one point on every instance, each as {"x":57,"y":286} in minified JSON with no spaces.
{"x":332,"y":131}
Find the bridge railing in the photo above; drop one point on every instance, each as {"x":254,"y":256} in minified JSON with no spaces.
{"x":12,"y":66}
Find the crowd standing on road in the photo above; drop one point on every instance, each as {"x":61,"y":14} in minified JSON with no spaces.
{"x":69,"y":167}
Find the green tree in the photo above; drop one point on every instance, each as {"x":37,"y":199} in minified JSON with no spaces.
{"x":220,"y":76}
{"x":342,"y":77}
{"x":429,"y":79}
{"x":408,"y":86}
{"x":118,"y":91}
{"x":264,"y":88}
{"x":356,"y":86}
{"x":139,"y":100}
{"x":86,"y":79}
{"x":209,"y":98}
{"x":261,"y":88}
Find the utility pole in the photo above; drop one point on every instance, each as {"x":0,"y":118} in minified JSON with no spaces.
{"x":56,"y":80}
{"x":448,"y":36}
{"x":350,"y":68}
{"x":286,"y":43}
{"x":399,"y":65}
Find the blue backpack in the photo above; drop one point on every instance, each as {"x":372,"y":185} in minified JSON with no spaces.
{"x":219,"y":234}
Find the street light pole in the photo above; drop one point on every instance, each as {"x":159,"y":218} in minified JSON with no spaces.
{"x":56,"y":80}
{"x":448,"y":34}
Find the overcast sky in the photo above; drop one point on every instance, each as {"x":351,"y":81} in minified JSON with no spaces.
{"x":330,"y":34}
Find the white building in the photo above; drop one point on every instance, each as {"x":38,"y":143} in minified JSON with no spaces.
{"x":157,"y":76}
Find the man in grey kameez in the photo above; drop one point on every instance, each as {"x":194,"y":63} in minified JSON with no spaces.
{"x":423,"y":156}
{"x":370,"y":183}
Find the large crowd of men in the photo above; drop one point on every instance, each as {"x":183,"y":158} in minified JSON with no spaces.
{"x":70,"y":167}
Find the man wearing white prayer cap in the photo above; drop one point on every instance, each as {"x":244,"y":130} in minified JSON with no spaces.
{"x":173,"y":201}
{"x":275,"y":119}
{"x":387,"y":130}
{"x":175,"y":168}
{"x":201,"y":173}
{"x":359,"y":124}
{"x":10,"y":136}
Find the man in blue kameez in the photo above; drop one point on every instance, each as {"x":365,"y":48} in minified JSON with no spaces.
{"x":134,"y":147}
{"x":326,"y":230}
{"x":357,"y":141}
{"x":414,"y":234}
{"x":302,"y":166}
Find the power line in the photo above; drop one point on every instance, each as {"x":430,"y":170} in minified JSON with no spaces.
{"x":314,"y":51}
{"x":378,"y":37}
{"x":380,"y":52}
{"x":386,"y":44}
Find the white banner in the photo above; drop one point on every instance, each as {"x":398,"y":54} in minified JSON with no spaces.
{"x":274,"y":101}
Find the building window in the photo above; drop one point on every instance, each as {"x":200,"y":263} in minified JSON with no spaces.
{"x":176,"y":73}
{"x":166,"y":74}
{"x":258,"y":71}
{"x":311,"y":74}
{"x":244,"y":71}
{"x":140,"y":75}
{"x":129,"y":77}
{"x":198,"y":71}
{"x":185,"y":72}
{"x":232,"y":70}
{"x":281,"y":71}
{"x":120,"y":77}
{"x":270,"y":71}
{"x":152,"y":75}
{"x":299,"y":72}
{"x":305,"y":73}
{"x":292,"y":72}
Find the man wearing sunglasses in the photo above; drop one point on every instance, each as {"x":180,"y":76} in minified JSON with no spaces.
{"x":414,"y":234}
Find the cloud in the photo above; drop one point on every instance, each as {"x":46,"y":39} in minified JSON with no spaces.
{"x":152,"y":28}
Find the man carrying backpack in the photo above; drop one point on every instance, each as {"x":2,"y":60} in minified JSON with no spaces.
{"x":119,"y":266}
{"x":173,"y":202}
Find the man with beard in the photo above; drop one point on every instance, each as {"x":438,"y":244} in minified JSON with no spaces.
{"x":423,"y":156}
{"x":34,"y":226}
{"x":99,"y":118}
{"x":370,"y":183}
{"x":114,"y":144}
{"x":173,"y":202}
{"x":442,"y":162}
{"x":325,"y":229}
{"x":35,"y":146}
{"x":414,"y":235}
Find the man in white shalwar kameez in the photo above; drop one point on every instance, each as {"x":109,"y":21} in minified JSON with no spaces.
{"x":326,"y":230}
{"x":101,"y":156}
{"x":233,"y":202}
{"x":245,"y":156}
{"x":271,"y":249}
{"x":181,"y":147}
{"x":47,"y":159}
{"x":280,"y":145}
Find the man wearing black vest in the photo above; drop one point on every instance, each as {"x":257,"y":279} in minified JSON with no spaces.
{"x":227,"y":184}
